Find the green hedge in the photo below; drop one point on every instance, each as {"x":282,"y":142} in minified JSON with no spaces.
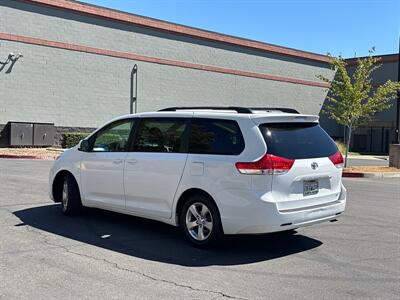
{"x":341,"y":146}
{"x":107,"y":138}
{"x":72,"y":138}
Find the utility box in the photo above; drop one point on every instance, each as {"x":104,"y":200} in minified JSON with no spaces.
{"x":21,"y":134}
{"x":43,"y":134}
{"x":394,"y":155}
{"x":31,"y":134}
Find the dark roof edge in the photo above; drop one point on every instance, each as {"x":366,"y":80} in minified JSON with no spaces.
{"x":125,"y":17}
{"x":385,"y":58}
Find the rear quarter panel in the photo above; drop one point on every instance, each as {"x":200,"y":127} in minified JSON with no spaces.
{"x":217,"y":174}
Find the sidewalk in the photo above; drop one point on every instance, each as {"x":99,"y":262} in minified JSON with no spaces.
{"x":369,"y":157}
{"x":369,"y":166}
{"x":30,"y":153}
{"x":371,"y":172}
{"x":368,"y":160}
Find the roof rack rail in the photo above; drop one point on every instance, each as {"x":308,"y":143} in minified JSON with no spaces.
{"x":238,"y":109}
{"x":282,"y":109}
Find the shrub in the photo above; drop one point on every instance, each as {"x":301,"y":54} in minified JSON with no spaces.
{"x":108,"y":138}
{"x":71,"y":139}
{"x":341,"y":146}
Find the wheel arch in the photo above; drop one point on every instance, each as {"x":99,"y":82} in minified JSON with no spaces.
{"x":57,"y":185}
{"x":186,"y":195}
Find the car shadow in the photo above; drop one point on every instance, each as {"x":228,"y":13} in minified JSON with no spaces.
{"x":155,"y":241}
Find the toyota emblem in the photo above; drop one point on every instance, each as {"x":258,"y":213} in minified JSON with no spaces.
{"x":314,"y":166}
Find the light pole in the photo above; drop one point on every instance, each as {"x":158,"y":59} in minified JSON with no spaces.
{"x":134,"y":88}
{"x":398,"y":101}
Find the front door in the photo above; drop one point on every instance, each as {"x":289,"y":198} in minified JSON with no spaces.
{"x":102,"y":168}
{"x":154,"y":169}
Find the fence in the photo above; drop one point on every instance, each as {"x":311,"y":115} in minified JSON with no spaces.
{"x":372,"y":139}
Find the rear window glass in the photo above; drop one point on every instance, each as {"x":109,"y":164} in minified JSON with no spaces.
{"x":209,"y":136}
{"x":297,"y":140}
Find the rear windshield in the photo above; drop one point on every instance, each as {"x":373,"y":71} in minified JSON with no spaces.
{"x":297,"y":140}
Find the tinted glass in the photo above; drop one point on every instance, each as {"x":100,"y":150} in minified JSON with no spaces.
{"x":114,"y":137}
{"x":209,"y":136}
{"x":160,"y":135}
{"x":297,"y":140}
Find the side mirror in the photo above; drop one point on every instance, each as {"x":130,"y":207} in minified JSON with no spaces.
{"x":84,"y":146}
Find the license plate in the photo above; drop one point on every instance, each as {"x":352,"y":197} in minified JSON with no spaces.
{"x":310,"y":187}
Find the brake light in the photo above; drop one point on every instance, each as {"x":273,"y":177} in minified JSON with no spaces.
{"x":268,"y":164}
{"x":337,"y":159}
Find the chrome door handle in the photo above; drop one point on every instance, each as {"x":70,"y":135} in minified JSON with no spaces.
{"x":117,"y":161}
{"x":132,"y":161}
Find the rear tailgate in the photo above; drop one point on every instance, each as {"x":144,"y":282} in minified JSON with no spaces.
{"x":313,"y":179}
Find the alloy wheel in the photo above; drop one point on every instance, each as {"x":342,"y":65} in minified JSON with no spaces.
{"x":199,"y":221}
{"x":65,"y":196}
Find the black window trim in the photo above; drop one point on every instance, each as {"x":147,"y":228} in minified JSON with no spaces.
{"x":185,"y":136}
{"x":184,"y":148}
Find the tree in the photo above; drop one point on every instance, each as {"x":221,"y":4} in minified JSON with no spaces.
{"x":352,"y":100}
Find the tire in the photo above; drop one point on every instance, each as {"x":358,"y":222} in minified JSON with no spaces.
{"x":70,"y":197}
{"x":200,"y":221}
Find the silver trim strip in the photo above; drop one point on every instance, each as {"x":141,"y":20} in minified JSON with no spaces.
{"x":310,"y":207}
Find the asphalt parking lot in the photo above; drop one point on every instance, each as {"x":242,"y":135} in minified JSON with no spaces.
{"x":108,"y":256}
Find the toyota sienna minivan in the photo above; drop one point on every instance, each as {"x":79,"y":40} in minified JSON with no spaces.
{"x":209,"y":170}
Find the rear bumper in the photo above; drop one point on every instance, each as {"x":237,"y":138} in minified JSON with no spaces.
{"x":263,"y":216}
{"x":287,"y":221}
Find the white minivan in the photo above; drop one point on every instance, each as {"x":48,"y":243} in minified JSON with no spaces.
{"x":210,"y":170}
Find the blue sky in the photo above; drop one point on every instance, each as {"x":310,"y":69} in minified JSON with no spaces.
{"x":345,"y":27}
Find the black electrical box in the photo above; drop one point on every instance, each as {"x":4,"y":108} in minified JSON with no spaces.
{"x":43,"y":134}
{"x":21,"y":134}
{"x":31,"y":134}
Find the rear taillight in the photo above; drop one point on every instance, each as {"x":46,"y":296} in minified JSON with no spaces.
{"x":268,"y":164}
{"x":337,"y":159}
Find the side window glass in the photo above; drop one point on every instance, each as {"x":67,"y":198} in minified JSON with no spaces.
{"x":209,"y":136}
{"x":114,"y":138}
{"x":160,"y":135}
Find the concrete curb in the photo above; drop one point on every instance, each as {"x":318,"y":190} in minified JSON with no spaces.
{"x":14,"y":156}
{"x":369,"y":157}
{"x":371,"y":175}
{"x":352,"y":174}
{"x":382,"y":175}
